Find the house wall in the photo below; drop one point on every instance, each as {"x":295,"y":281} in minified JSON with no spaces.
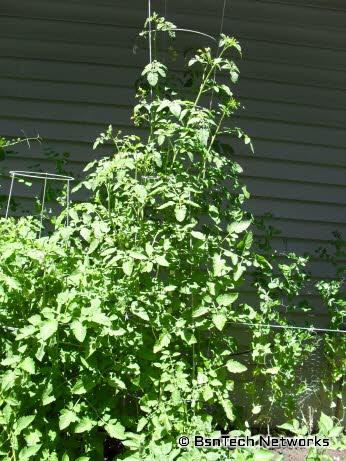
{"x":67,"y":69}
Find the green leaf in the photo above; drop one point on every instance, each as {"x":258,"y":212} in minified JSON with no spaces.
{"x":202,"y":310}
{"x":128,"y":267}
{"x":66,"y":418}
{"x":256,"y":409}
{"x":33,"y":437}
{"x":287,"y":427}
{"x":117,"y":332}
{"x":47,"y":396}
{"x":219,"y":320}
{"x":163,"y":105}
{"x":198,"y":235}
{"x":8,"y":380}
{"x":203,"y":136}
{"x":166,"y":205}
{"x":12,"y":283}
{"x":10,"y":360}
{"x":48,"y":328}
{"x":235,"y":367}
{"x":162,"y":342}
{"x":272,"y":371}
{"x":218,"y":265}
{"x":28,"y":365}
{"x":262,"y":261}
{"x":85,"y":233}
{"x":207,"y":393}
{"x":247,"y":241}
{"x":325,"y":424}
{"x":201,"y":378}
{"x":79,"y":330}
{"x":188,"y":337}
{"x":22,"y":423}
{"x":234,"y":77}
{"x":141,"y":313}
{"x":152,"y":78}
{"x":228,"y":407}
{"x":141,"y":424}
{"x":25,"y":332}
{"x":149,"y":249}
{"x":79,"y":388}
{"x":238,"y":227}
{"x":136,"y":255}
{"x":238,"y":272}
{"x":28,"y":452}
{"x":83,"y":458}
{"x":116,"y":430}
{"x":180,"y":212}
{"x":101,"y":319}
{"x":141,"y":193}
{"x":227,"y":299}
{"x":93,"y":245}
{"x":170,"y":288}
{"x":336,"y":431}
{"x":161,"y":139}
{"x":162,"y":261}
{"x":175,"y":108}
{"x":84,"y":425}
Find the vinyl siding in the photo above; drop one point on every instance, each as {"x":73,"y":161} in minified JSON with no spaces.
{"x":67,"y":69}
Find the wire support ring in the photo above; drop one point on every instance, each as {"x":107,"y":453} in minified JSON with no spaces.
{"x":40,"y":175}
{"x":290,"y":327}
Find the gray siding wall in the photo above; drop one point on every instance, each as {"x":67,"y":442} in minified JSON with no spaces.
{"x":67,"y":69}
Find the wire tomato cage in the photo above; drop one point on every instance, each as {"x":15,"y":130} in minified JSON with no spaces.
{"x":68,"y":179}
{"x":189,"y":31}
{"x":310,"y":329}
{"x":45,"y":177}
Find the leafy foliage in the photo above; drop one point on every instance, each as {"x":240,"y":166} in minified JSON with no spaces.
{"x":120,"y":326}
{"x":335,"y":345}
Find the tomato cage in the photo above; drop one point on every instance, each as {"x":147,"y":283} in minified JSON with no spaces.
{"x":45,"y":177}
{"x":152,"y":31}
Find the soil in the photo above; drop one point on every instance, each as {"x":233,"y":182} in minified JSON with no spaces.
{"x":291,"y":454}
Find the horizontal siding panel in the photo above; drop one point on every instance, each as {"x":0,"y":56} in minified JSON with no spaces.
{"x":281,"y":189}
{"x":299,"y":92}
{"x":49,"y":129}
{"x":49,"y":166}
{"x":324,"y":195}
{"x":121,"y":115}
{"x":107,"y":73}
{"x":50,"y":92}
{"x":113,"y":49}
{"x":281,"y":131}
{"x":303,"y":154}
{"x":254,"y":166}
{"x":292,"y":13}
{"x":294,"y":113}
{"x":306,"y":229}
{"x":293,"y":228}
{"x":280,"y":243}
{"x":67,"y":91}
{"x":261,"y":188}
{"x":67,"y":69}
{"x":264,"y":168}
{"x":299,"y":211}
{"x":36,"y":25}
{"x":333,"y":137}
